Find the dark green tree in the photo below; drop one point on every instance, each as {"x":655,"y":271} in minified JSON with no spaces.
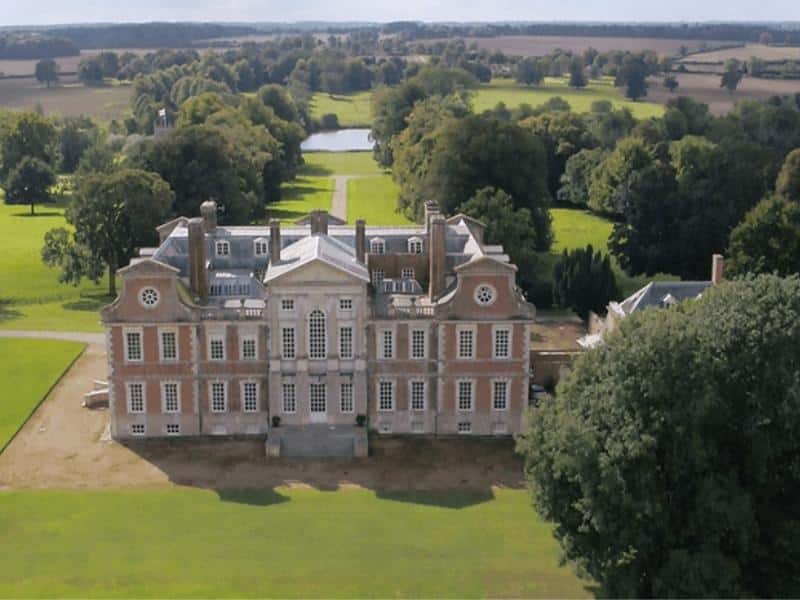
{"x":47,"y":71}
{"x":609,"y":185}
{"x":578,"y":176}
{"x":29,"y":182}
{"x":584,"y":281}
{"x":75,"y":136}
{"x":671,"y":83}
{"x":669,"y":459}
{"x":788,"y":183}
{"x":731,"y":75}
{"x":90,"y":71}
{"x":27,"y":135}
{"x":577,"y":73}
{"x":632,"y":75}
{"x":112,"y":215}
{"x":529,"y":71}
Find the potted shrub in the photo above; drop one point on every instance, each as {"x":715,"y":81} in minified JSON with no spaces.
{"x":361,"y":420}
{"x":276,"y":421}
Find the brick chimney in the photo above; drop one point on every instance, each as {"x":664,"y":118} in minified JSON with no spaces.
{"x":431,"y":210}
{"x":437,"y":256}
{"x":361,"y":241}
{"x":274,"y":241}
{"x":208,"y":210}
{"x":319,"y":222}
{"x":717,"y":269}
{"x":198,"y":272}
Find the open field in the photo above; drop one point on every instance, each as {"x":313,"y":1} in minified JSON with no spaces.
{"x":280,"y":543}
{"x":512,"y":94}
{"x":300,"y":197}
{"x":374,"y":199}
{"x":69,"y":99}
{"x":539,"y":45}
{"x":706,"y":88}
{"x":353,"y":110}
{"x":68,"y":64}
{"x":341,"y":163}
{"x":758,"y":50}
{"x":31,"y":296}
{"x":28,"y":369}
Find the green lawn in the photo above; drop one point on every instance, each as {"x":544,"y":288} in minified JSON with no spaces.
{"x":31,"y":296}
{"x":353,"y":110}
{"x":512,"y":94}
{"x":374,"y":199}
{"x":27,"y":372}
{"x":341,"y":163}
{"x":282,"y":543}
{"x":301,"y":196}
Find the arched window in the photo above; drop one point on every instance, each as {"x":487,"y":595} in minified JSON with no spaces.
{"x":317,"y":336}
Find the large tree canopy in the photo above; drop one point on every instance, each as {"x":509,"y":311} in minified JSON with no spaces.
{"x":670,"y":457}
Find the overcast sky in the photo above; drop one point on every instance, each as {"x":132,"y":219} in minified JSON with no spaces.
{"x":35,"y":12}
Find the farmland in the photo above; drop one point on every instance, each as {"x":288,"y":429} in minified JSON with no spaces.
{"x":280,"y":542}
{"x":746,"y":52}
{"x":28,"y":369}
{"x":67,"y":64}
{"x":539,"y":45}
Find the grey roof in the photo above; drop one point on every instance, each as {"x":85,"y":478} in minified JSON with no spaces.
{"x":317,"y":247}
{"x":660,"y":294}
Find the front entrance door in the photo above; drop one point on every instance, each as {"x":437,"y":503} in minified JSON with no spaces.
{"x":318,"y":403}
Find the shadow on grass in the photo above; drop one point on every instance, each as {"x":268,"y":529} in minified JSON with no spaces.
{"x":456,"y":500}
{"x":89,"y":302}
{"x":7,"y":312}
{"x":46,"y":213}
{"x":252,"y":497}
{"x":315,"y":170}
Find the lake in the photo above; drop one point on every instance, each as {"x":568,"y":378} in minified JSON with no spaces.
{"x":343,"y":140}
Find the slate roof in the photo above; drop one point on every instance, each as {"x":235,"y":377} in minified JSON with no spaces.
{"x":661,"y":294}
{"x":317,"y":247}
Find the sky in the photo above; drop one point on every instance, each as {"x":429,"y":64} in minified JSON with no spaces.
{"x":42,"y":12}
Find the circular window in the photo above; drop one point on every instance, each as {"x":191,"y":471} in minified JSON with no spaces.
{"x":148,"y":297}
{"x":485,"y":294}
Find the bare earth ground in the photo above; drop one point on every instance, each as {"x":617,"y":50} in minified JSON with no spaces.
{"x":749,"y":50}
{"x":539,"y":45}
{"x":69,"y":99}
{"x":706,"y":88}
{"x":61,"y":447}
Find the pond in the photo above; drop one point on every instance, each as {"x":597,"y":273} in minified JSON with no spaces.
{"x":343,"y":140}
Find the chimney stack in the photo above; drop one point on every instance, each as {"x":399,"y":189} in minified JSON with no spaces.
{"x":431,"y":210}
{"x":361,"y":241}
{"x":717,"y":269}
{"x":319,"y":222}
{"x":274,"y":241}
{"x":198,"y":272}
{"x":208,"y":210}
{"x":437,"y":256}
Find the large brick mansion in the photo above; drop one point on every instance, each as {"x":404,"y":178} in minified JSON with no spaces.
{"x":260,"y":330}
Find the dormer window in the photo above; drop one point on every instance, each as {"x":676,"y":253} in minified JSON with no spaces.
{"x":415,"y":245}
{"x":223,"y":248}
{"x":261,"y":247}
{"x":377,"y":246}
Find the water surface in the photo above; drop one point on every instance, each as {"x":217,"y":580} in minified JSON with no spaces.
{"x":342,"y":140}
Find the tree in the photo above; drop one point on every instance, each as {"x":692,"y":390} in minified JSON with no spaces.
{"x":74,"y":138}
{"x":47,"y":71}
{"x":512,"y":227}
{"x":765,"y":38}
{"x":577,"y":73}
{"x":584,"y":281}
{"x":788,"y":183}
{"x":671,"y":83}
{"x":668,"y":459}
{"x":633,"y":75}
{"x":28,"y":134}
{"x":767,"y":240}
{"x":529,"y":71}
{"x":732,"y":75}
{"x":609,"y":186}
{"x":112,"y":215}
{"x":90,"y":71}
{"x":578,"y":175}
{"x":30,"y":182}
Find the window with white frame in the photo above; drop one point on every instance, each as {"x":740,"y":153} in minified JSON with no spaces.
{"x":135,"y":397}
{"x":173,"y":429}
{"x":417,"y":392}
{"x":261,"y":247}
{"x":415,"y":245}
{"x":345,"y":304}
{"x":318,"y":397}
{"x":378,"y":276}
{"x":466,"y":343}
{"x":464,"y":427}
{"x":466,"y":395}
{"x":417,"y":427}
{"x":407,"y":273}
{"x":346,"y":341}
{"x":169,"y":344}
{"x":223,"y":248}
{"x":500,"y":394}
{"x":377,"y":246}
{"x":216,"y":347}
{"x":346,"y":397}
{"x":249,"y":349}
{"x":385,"y":395}
{"x":289,"y":398}
{"x":502,"y":343}
{"x":133,"y":345}
{"x":288,"y":347}
{"x":386,"y":341}
{"x":287,"y":304}
{"x":250,"y":396}
{"x":137,"y":429}
{"x":418,"y":343}
{"x":169,"y":397}
{"x":219,"y":396}
{"x":317,"y":335}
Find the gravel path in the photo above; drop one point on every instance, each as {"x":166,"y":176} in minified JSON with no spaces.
{"x":339,"y":202}
{"x":70,"y":336}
